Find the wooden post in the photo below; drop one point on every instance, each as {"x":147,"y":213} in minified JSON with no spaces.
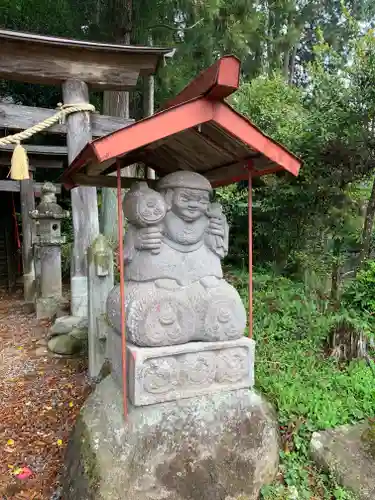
{"x":250,"y":221}
{"x":149,"y":101}
{"x":84,"y":200}
{"x":28,"y":235}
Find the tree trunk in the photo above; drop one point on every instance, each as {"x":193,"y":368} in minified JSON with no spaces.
{"x":116,"y":103}
{"x":368,"y":227}
{"x":292,"y":64}
{"x":286,"y":65}
{"x":335,"y":273}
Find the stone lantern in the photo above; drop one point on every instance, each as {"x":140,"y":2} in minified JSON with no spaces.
{"x":48,"y":216}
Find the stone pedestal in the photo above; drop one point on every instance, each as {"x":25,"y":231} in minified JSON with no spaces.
{"x":158,"y":374}
{"x":222,"y":446}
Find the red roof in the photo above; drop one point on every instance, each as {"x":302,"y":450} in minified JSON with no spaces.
{"x":196,"y":131}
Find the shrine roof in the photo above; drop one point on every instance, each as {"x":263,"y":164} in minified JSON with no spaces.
{"x":51,"y":60}
{"x":196,"y":131}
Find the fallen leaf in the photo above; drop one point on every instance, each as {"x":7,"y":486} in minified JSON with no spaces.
{"x":10,"y":442}
{"x":25,"y":473}
{"x":59,"y":442}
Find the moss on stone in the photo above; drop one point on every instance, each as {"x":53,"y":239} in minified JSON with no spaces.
{"x":368,"y":437}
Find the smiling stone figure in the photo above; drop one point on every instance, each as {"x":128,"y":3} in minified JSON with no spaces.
{"x":175,"y":291}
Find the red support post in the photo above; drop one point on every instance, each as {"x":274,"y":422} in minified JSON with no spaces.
{"x":122,"y":290}
{"x":250,"y":220}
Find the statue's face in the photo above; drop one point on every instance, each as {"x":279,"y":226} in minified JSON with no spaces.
{"x":190,"y":204}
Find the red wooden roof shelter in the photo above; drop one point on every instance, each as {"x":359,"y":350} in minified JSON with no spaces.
{"x":196,"y":131}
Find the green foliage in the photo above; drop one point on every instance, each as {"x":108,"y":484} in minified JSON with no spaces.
{"x":310,"y":390}
{"x":308,"y":224}
{"x":360,"y":293}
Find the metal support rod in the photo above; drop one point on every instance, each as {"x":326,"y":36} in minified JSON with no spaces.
{"x":250,"y":217}
{"x":122,"y":290}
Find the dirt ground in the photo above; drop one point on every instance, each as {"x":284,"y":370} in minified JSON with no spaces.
{"x":40,"y":397}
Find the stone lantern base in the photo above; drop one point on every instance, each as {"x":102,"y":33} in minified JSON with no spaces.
{"x":222,"y":446}
{"x":47,"y":307}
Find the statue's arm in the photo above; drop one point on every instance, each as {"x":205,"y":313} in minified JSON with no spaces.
{"x":129,"y":244}
{"x":226,"y":237}
{"x":145,"y":238}
{"x":217,"y":238}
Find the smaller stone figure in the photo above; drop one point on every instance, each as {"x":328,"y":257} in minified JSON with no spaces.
{"x":174,"y":286}
{"x":144,"y":207}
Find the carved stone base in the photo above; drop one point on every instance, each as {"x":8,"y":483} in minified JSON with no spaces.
{"x":213,"y":447}
{"x":158,"y":374}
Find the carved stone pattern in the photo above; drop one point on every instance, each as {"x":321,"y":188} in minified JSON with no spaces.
{"x":167,"y":319}
{"x":224,"y":318}
{"x":192,"y":370}
{"x":159,"y":375}
{"x":144,"y":206}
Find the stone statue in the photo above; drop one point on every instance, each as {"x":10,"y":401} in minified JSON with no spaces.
{"x":174,"y":286}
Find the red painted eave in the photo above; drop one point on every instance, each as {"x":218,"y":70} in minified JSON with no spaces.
{"x":181,"y":117}
{"x":205,"y":106}
{"x":142,"y":133}
{"x":242,"y":128}
{"x":217,"y":82}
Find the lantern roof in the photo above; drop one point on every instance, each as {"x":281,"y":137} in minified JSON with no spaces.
{"x":196,"y":131}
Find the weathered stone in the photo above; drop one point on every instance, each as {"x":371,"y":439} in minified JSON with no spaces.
{"x":65,"y":324}
{"x":346,"y":454}
{"x":80,"y":334}
{"x":47,"y":307}
{"x":65,"y":344}
{"x":83,"y":324}
{"x":175,"y":291}
{"x":49,"y":215}
{"x":206,"y":448}
{"x":100,"y":282}
{"x":158,"y":374}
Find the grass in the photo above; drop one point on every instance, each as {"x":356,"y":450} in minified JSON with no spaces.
{"x":310,"y":390}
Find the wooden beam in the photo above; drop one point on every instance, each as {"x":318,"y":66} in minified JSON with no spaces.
{"x":35,"y":162}
{"x":216,"y":82}
{"x":13,"y":116}
{"x":107,"y":181}
{"x":37,"y":150}
{"x":51,"y":61}
{"x":28,"y":236}
{"x":14,"y":187}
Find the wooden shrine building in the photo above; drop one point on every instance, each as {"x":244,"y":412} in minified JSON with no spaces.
{"x":77,"y":67}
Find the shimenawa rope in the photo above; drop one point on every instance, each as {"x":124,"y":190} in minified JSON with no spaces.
{"x":20,"y":165}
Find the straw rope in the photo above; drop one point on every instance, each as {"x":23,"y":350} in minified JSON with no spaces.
{"x":64,"y":110}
